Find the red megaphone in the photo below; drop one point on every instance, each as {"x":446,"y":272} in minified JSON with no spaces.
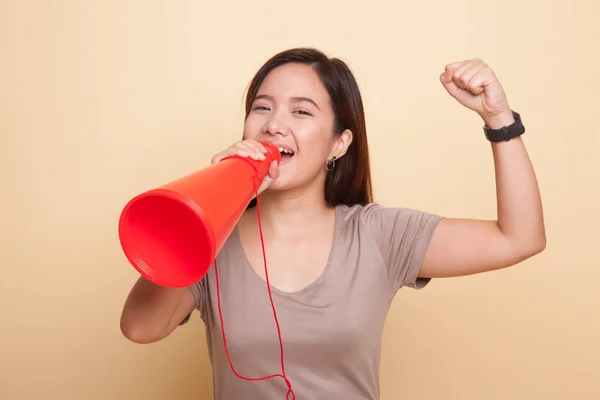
{"x":172,"y":234}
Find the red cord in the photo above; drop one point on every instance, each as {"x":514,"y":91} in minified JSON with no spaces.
{"x":282,"y":375}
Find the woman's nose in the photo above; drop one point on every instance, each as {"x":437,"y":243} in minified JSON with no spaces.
{"x":276,"y":127}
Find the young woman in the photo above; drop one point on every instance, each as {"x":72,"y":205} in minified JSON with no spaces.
{"x":335,"y":258}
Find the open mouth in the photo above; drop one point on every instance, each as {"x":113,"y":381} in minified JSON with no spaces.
{"x":286,"y":154}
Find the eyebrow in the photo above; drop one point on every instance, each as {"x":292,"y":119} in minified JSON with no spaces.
{"x":296,"y":99}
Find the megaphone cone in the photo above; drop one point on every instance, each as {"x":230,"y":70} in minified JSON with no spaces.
{"x":172,"y":234}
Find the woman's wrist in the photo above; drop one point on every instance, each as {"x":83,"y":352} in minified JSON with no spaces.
{"x":497,"y":121}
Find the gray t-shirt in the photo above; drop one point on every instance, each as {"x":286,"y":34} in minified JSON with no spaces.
{"x":331,"y":330}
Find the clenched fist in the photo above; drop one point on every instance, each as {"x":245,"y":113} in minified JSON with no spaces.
{"x":474,"y":85}
{"x":252,"y":149}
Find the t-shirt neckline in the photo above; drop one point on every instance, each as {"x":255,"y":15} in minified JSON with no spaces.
{"x":237,"y":242}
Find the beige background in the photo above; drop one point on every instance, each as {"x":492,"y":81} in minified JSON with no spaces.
{"x":100,"y":100}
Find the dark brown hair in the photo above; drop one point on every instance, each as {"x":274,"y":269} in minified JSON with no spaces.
{"x":349,"y":182}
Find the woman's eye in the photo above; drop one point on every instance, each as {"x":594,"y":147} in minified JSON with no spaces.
{"x":302,"y":112}
{"x":262,"y":108}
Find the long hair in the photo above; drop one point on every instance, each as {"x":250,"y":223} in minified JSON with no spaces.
{"x":349,"y":182}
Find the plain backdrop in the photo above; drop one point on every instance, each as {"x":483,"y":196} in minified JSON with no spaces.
{"x":100,"y":100}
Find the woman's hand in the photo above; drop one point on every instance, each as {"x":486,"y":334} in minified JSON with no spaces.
{"x":252,"y":149}
{"x":474,"y":85}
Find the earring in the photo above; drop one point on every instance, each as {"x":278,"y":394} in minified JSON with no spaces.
{"x":331,"y":164}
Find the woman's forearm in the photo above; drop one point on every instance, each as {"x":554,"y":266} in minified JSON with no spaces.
{"x":519,"y":205}
{"x":152,"y":312}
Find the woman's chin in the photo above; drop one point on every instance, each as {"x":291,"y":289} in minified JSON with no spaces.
{"x":278,"y":184}
{"x":284,"y":182}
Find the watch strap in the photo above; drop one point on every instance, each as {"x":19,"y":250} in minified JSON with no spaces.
{"x":506,"y":132}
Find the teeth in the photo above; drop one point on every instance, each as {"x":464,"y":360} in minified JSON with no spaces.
{"x":286,"y":151}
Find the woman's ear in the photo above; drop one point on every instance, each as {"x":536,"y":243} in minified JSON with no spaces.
{"x":341,"y":144}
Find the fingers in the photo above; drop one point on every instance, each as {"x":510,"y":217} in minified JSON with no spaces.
{"x":272,"y":176}
{"x":246,"y":148}
{"x":471,"y":75}
{"x":456,"y":64}
{"x":451,"y":84}
{"x":274,"y":170}
{"x":447,"y":79}
{"x":465,"y":75}
{"x":253,"y":145}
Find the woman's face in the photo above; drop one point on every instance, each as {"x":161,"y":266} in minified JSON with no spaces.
{"x":292,"y":110}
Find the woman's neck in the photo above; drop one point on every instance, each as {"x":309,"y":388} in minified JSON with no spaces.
{"x":288,"y":214}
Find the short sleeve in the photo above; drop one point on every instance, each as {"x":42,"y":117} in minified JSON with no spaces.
{"x":403,"y":236}
{"x":198,"y":291}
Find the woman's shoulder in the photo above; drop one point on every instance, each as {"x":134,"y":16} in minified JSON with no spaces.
{"x":358,"y":210}
{"x":375,"y":207}
{"x":369,"y":210}
{"x":361,"y":216}
{"x":377,"y":217}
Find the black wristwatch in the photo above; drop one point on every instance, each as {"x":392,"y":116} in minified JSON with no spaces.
{"x":506,"y":132}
